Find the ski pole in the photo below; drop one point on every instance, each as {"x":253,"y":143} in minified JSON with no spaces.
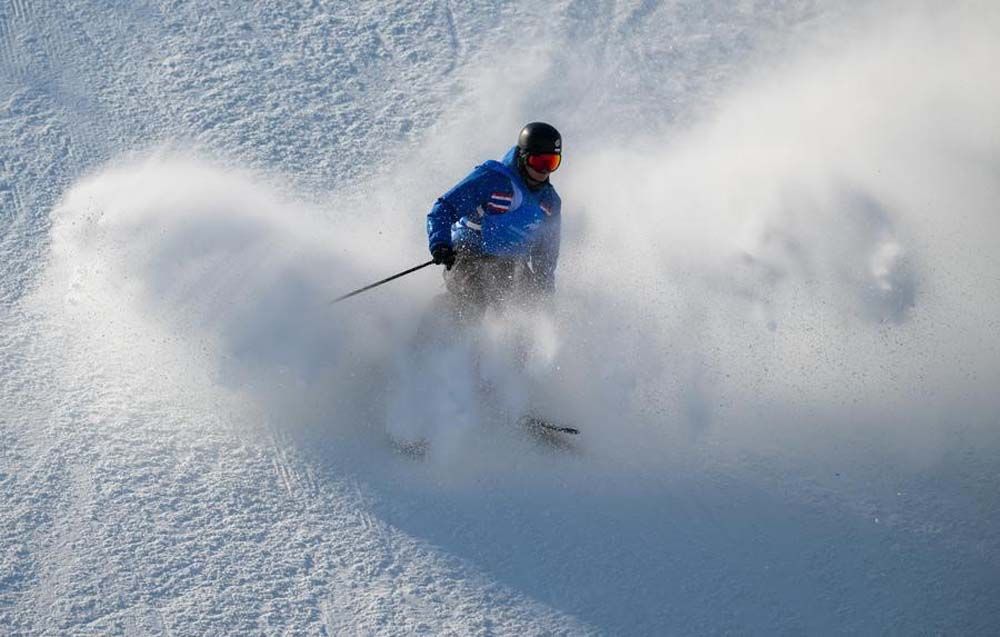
{"x":378,"y":283}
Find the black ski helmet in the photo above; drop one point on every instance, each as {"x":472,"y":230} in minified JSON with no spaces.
{"x":539,"y":137}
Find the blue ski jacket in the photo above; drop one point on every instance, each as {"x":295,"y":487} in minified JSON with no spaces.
{"x":493,"y":212}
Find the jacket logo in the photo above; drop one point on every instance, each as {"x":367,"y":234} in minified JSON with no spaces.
{"x":499,"y":202}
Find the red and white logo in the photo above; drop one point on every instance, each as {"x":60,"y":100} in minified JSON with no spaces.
{"x":500,"y":201}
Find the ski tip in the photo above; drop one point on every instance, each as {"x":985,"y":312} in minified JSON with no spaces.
{"x":538,"y":423}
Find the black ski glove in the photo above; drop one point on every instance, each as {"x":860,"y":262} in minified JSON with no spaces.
{"x":443,"y":254}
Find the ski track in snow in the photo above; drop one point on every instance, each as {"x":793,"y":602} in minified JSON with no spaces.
{"x":174,"y":456}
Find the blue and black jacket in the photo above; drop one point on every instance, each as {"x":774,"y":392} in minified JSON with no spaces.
{"x":492,"y":212}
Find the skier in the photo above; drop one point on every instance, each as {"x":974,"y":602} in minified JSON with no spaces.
{"x":497,"y":231}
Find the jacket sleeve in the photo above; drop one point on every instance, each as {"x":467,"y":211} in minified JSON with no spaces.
{"x":455,"y":204}
{"x":546,"y":255}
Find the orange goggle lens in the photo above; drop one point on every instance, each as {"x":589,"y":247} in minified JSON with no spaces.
{"x":545,"y":162}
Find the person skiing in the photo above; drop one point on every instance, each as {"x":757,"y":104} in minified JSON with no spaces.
{"x":497,"y":231}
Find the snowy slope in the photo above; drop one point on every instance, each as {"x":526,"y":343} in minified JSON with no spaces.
{"x":777,"y":321}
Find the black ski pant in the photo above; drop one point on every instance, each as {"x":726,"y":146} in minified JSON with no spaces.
{"x":476,"y":283}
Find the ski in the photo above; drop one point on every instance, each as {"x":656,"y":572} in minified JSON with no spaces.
{"x":537,"y":423}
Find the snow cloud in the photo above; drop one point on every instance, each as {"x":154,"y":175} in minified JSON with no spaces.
{"x":821,"y":239}
{"x":798,"y":262}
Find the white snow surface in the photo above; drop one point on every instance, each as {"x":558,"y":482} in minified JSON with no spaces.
{"x":777,"y":320}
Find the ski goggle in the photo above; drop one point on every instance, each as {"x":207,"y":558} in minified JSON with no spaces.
{"x":544,"y":162}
